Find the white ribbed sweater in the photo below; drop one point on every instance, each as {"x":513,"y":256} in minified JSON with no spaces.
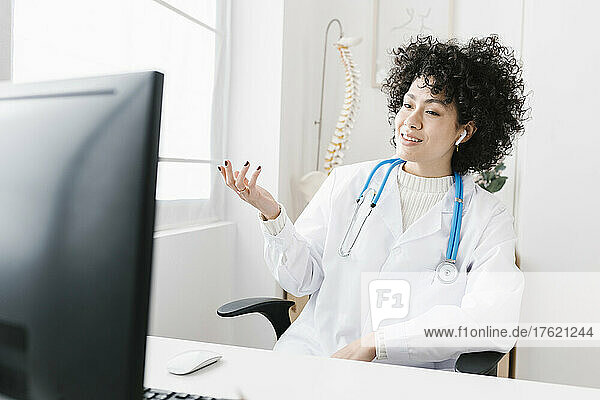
{"x":417,"y":196}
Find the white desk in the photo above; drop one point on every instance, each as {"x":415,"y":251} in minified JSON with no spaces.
{"x":263,"y":374}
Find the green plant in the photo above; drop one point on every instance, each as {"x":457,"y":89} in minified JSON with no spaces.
{"x":491,"y":180}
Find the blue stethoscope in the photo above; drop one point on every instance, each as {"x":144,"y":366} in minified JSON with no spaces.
{"x":446,"y":271}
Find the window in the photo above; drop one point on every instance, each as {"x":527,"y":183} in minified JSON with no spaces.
{"x":184,"y":39}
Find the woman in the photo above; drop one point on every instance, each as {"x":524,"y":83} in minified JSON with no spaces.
{"x":440,"y":96}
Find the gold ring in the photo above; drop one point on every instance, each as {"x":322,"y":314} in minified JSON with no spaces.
{"x":243,"y":190}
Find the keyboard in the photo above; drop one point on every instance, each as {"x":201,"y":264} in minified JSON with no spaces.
{"x":165,"y":394}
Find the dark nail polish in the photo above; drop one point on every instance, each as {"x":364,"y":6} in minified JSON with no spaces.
{"x":258,"y":167}
{"x":219,"y":168}
{"x":247,"y":162}
{"x":226,"y":163}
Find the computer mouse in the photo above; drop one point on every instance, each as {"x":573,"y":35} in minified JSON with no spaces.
{"x":191,"y":361}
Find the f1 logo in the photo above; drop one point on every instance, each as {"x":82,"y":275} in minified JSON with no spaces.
{"x":388,"y":299}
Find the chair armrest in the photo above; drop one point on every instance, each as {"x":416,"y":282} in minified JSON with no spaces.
{"x":480,"y":363}
{"x":274,"y":309}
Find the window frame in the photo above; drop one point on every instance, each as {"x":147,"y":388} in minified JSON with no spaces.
{"x":183,"y":213}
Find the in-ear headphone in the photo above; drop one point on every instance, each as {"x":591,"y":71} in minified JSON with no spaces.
{"x":462,"y":136}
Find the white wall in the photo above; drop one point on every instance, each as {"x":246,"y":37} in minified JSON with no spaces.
{"x":190,"y":281}
{"x":558,"y":196}
{"x":254,"y":135}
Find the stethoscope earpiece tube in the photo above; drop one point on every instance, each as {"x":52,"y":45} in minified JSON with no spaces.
{"x":391,"y":160}
{"x":382,"y":186}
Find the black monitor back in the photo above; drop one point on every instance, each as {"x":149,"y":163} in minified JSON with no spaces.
{"x":78,"y":162}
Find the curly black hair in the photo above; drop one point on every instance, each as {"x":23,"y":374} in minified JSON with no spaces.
{"x":484,"y":80}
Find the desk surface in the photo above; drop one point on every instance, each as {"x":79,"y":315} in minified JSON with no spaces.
{"x":263,"y":374}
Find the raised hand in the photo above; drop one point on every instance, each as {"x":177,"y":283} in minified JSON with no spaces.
{"x":248,"y":190}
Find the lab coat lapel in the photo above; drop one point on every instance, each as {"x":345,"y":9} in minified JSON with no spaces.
{"x":388,"y":208}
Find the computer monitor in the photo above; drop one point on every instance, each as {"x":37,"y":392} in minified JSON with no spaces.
{"x":78,"y":163}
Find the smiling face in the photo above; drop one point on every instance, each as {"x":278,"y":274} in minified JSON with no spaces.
{"x":425,"y":117}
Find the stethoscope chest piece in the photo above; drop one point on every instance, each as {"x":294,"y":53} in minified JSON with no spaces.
{"x":446,"y":271}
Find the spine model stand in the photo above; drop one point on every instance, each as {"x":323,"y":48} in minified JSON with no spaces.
{"x":310,"y":182}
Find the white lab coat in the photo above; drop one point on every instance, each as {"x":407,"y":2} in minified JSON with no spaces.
{"x":304,"y":260}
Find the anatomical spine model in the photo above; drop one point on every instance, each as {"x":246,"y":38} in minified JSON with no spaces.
{"x":339,"y":139}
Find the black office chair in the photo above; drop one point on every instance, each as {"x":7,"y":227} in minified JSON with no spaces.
{"x":277,"y":312}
